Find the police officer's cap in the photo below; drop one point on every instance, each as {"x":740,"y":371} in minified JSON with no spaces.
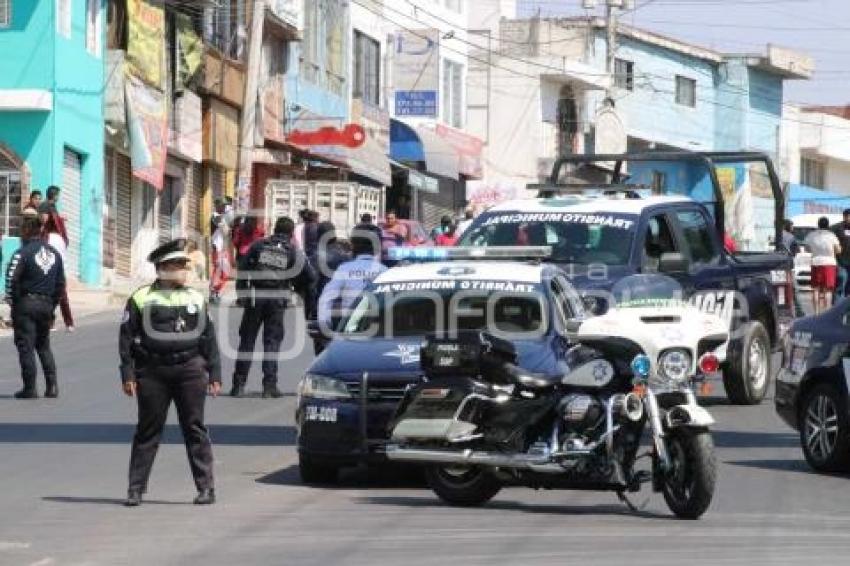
{"x":170,"y":251}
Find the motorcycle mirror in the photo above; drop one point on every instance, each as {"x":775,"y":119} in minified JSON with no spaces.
{"x":673,"y":262}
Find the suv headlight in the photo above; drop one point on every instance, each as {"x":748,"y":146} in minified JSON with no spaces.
{"x":675,"y":365}
{"x":322,"y":387}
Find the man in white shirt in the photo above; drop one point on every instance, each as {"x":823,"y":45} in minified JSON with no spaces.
{"x":824,"y":247}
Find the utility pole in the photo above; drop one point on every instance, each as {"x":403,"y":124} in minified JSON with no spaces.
{"x":611,"y":7}
{"x":248,"y":124}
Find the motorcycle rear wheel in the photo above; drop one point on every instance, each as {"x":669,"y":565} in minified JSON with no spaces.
{"x":462,"y":487}
{"x":688,"y":486}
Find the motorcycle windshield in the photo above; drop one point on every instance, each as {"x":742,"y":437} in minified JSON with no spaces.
{"x":647,"y":290}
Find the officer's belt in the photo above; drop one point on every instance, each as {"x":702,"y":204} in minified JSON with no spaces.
{"x":151,"y":359}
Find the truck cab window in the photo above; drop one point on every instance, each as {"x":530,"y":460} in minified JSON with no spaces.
{"x":658,"y":240}
{"x":698,"y":238}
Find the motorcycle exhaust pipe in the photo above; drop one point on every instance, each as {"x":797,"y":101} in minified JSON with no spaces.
{"x":629,"y":406}
{"x":473,"y":458}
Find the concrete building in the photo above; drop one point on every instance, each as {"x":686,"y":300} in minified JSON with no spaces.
{"x":816,"y":159}
{"x":548,"y":85}
{"x":51,"y":120}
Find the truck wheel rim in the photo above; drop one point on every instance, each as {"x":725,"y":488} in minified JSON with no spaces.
{"x":758,"y":364}
{"x":821,"y":427}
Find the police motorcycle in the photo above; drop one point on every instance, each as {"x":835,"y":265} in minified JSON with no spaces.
{"x":479,"y":422}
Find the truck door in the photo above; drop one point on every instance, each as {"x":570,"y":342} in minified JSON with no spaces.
{"x":658,"y":239}
{"x":710,"y":279}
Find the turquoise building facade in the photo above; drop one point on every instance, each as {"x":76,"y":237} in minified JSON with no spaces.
{"x":51,"y":120}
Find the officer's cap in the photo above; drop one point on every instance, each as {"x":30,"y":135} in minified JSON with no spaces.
{"x":173,"y":250}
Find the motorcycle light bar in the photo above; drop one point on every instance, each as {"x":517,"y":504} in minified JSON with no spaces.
{"x":490,"y":252}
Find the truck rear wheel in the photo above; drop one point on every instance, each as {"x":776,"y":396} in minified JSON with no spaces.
{"x":747,"y":375}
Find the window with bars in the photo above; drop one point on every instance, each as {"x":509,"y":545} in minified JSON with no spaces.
{"x":367,"y":68}
{"x":624,"y":74}
{"x":813,"y":173}
{"x":225,"y":27}
{"x":324,"y":45}
{"x":63,"y":18}
{"x":452,"y":93}
{"x":5,"y":13}
{"x":686,"y":91}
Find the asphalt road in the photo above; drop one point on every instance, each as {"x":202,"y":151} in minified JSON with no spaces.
{"x":63,"y":469}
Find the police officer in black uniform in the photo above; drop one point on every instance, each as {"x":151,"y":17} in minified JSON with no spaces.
{"x":35,"y":281}
{"x":272,"y":268}
{"x":169,"y":353}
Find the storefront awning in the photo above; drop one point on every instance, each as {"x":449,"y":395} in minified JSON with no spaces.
{"x":367,"y":160}
{"x":409,"y":144}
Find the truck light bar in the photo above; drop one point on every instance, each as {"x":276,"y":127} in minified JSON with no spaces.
{"x":490,"y":252}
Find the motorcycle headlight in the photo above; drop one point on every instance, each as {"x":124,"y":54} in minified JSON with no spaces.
{"x":675,"y":365}
{"x":322,"y":387}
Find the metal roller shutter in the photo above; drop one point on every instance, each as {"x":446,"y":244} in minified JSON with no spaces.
{"x":109,"y":207}
{"x":123,"y":229}
{"x":194,"y":194}
{"x":166,"y":209}
{"x":69,"y":205}
{"x":433,"y":206}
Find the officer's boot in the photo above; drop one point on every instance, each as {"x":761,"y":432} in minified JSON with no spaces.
{"x":52,"y":390}
{"x":134,"y":498}
{"x":29,"y":391}
{"x":270,"y":391}
{"x":238,"y":389}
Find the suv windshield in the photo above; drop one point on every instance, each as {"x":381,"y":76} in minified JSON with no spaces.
{"x":389,"y":315}
{"x":574,"y":238}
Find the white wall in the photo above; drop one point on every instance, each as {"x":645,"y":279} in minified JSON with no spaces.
{"x":788,"y":167}
{"x":838,"y":176}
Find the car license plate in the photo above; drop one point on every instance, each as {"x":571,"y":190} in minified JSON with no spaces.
{"x":798,"y":359}
{"x":320,"y":414}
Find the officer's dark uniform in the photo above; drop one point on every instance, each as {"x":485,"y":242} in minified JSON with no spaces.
{"x":168,"y":347}
{"x":35,"y":281}
{"x":272,"y":268}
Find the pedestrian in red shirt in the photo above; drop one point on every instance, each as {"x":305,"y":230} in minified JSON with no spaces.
{"x":248,"y":232}
{"x":449,"y":237}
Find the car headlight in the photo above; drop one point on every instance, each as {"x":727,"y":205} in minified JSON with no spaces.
{"x":675,"y":365}
{"x":322,"y":387}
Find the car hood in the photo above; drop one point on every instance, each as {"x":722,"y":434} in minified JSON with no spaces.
{"x":401,"y":357}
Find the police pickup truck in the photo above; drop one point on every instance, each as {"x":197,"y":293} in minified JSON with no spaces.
{"x":600,"y":233}
{"x":352,"y":390}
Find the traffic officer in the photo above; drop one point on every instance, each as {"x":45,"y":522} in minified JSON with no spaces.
{"x":35,"y":281}
{"x":272,"y":268}
{"x":169,"y":353}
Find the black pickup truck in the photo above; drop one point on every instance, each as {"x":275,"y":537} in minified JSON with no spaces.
{"x":602,"y":232}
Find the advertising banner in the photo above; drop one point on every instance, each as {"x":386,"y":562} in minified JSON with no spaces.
{"x":145,"y":42}
{"x":147,"y":125}
{"x":416,"y":72}
{"x":481,"y":195}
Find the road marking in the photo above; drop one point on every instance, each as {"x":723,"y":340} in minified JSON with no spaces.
{"x":6,"y":545}
{"x":44,"y":562}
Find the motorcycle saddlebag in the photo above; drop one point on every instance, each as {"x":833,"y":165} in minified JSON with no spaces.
{"x":430,"y":411}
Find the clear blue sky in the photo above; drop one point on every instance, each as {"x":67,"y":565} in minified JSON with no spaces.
{"x":818,"y":27}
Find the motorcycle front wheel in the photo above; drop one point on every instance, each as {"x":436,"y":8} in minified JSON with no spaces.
{"x":688,"y":485}
{"x":463,"y":487}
